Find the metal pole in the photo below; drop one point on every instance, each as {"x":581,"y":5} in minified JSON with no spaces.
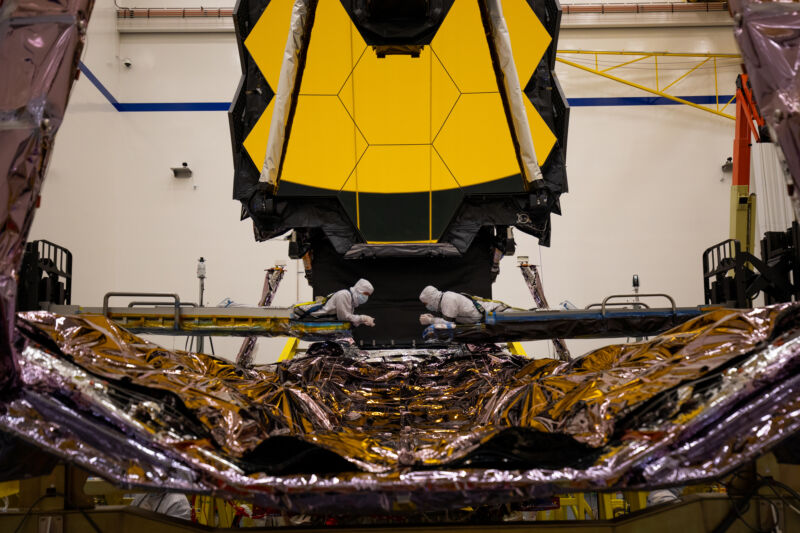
{"x":271,"y":281}
{"x":635,"y":284}
{"x":534,"y":282}
{"x":201,"y":276}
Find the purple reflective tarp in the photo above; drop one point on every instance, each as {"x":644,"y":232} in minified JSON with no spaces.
{"x":40,"y":45}
{"x":768,"y":34}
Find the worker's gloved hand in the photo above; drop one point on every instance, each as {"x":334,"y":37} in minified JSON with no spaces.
{"x":426,"y":319}
{"x":367,"y":320}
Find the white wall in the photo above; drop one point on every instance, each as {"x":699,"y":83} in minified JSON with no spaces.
{"x":645,"y":191}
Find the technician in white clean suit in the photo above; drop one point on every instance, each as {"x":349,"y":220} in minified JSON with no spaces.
{"x":455,"y":307}
{"x":341,"y":304}
{"x":168,"y":503}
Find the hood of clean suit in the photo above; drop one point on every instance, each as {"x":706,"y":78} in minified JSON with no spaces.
{"x":360,"y":292}
{"x":430,"y":296}
{"x":363,"y":285}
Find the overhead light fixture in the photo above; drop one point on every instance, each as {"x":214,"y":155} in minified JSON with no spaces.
{"x":182,"y":171}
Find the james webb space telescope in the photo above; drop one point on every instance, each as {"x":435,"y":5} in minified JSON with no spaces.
{"x":401,"y":141}
{"x":393,"y":138}
{"x":395,"y":142}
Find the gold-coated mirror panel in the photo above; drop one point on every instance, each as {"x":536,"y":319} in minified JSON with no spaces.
{"x":447,"y":93}
{"x":441,"y":177}
{"x":399,"y":99}
{"x":400,"y":169}
{"x":529,"y":38}
{"x":256,"y":141}
{"x":463,"y":49}
{"x":395,"y":169}
{"x":322,"y":123}
{"x":267,"y":41}
{"x":475,"y":142}
{"x":392,"y":98}
{"x":333,"y":49}
{"x":543,"y":138}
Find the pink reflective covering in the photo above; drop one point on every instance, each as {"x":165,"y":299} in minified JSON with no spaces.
{"x":769,"y":35}
{"x":40,"y":45}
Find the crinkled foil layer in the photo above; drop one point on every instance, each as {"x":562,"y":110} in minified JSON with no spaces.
{"x":40,"y":43}
{"x":768,"y":34}
{"x":414,"y":430}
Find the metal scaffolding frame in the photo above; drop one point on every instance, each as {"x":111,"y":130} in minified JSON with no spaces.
{"x":629,"y":58}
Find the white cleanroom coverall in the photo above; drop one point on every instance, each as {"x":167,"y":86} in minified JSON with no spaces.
{"x":454,"y":307}
{"x":168,"y":503}
{"x":342,"y":304}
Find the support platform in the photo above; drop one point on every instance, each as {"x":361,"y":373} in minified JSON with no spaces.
{"x":513,"y":326}
{"x":508,"y":326}
{"x":209,"y":321}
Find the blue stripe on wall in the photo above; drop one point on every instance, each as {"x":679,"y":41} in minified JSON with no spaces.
{"x":647,"y":100}
{"x":100,"y":87}
{"x":150,"y":106}
{"x":177,"y":106}
{"x":223,"y":106}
